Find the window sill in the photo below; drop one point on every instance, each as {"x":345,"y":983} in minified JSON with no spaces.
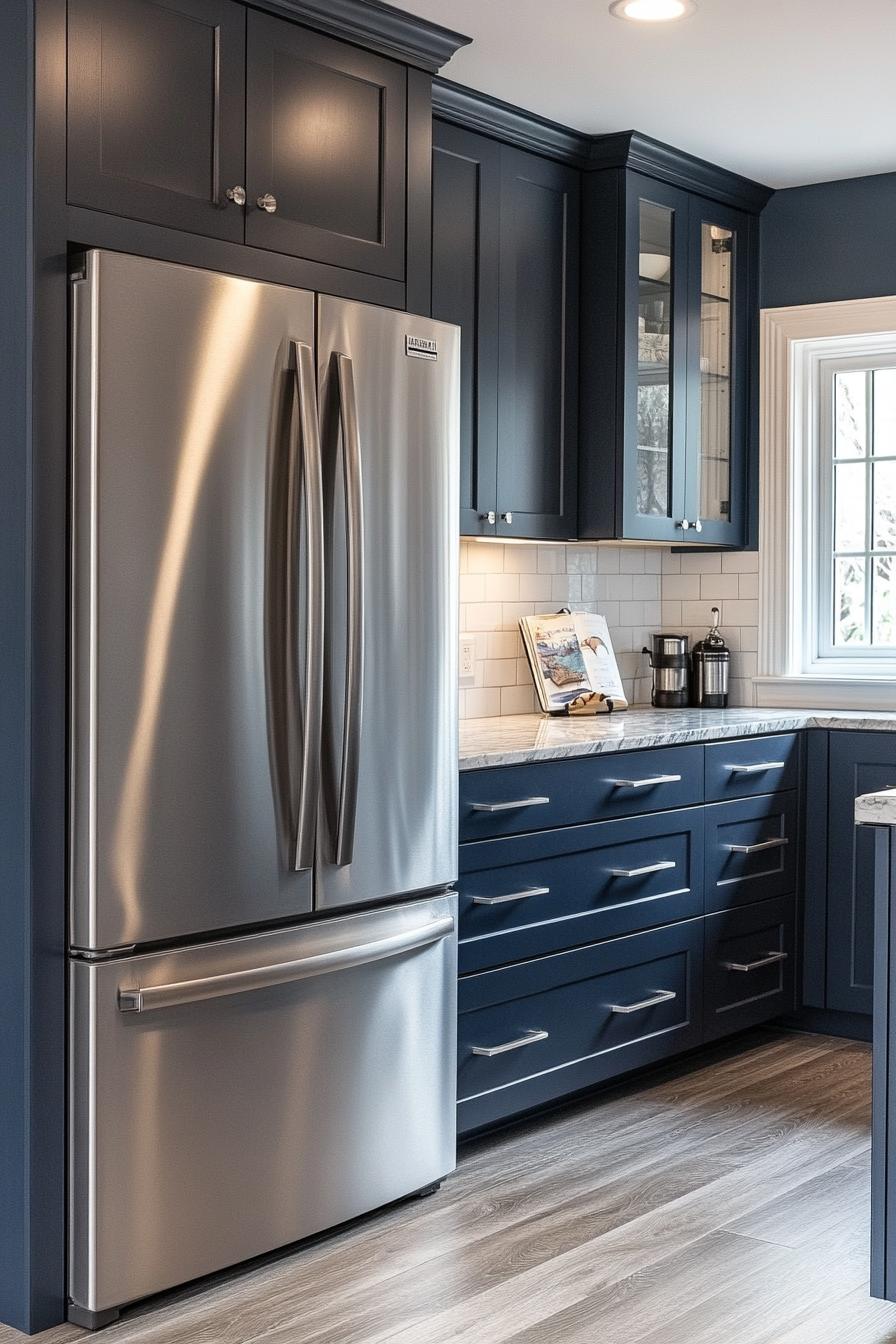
{"x":825,"y":692}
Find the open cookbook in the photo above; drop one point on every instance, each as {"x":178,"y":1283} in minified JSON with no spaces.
{"x":572,"y":662}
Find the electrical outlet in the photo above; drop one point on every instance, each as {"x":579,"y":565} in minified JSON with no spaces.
{"x":467,"y":660}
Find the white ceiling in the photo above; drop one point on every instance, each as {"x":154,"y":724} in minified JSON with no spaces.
{"x":784,"y":91}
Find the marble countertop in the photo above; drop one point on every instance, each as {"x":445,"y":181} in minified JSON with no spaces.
{"x":515,"y":739}
{"x":877,"y":809}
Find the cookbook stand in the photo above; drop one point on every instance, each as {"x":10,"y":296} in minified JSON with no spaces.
{"x":566,"y":712}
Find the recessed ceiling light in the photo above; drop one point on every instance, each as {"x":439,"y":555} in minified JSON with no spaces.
{"x":652,"y":11}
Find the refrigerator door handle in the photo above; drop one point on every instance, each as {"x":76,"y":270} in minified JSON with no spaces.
{"x":353,"y":710}
{"x":305,"y":431}
{"x":302,"y":968}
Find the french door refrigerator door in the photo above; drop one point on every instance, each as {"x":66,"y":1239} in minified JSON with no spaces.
{"x":232,"y":1098}
{"x":389,"y":390}
{"x":197,"y":602}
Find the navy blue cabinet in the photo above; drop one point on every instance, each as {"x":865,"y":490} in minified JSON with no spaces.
{"x":749,"y":966}
{"x":538,"y":893}
{"x":618,"y":908}
{"x":531,"y":1033}
{"x":505,"y":259}
{"x":859,"y":763}
{"x":669,"y":309}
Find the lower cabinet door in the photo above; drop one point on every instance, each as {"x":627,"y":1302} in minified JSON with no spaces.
{"x":543,"y":1029}
{"x":529,"y":895}
{"x":751,"y":850}
{"x":749,"y":970}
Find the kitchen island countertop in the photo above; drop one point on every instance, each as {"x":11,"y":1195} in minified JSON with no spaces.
{"x":516,"y":739}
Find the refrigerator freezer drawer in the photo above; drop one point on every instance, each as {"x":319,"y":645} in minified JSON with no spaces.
{"x":235,"y":1097}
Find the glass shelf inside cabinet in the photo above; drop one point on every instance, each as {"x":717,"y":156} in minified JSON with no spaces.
{"x":652,"y":486}
{"x":717,"y":257}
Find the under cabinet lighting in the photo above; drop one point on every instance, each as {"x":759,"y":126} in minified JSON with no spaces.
{"x":652,"y":11}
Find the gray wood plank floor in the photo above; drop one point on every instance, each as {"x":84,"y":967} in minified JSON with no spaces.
{"x":725,"y":1199}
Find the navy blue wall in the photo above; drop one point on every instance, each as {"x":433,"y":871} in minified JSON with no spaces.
{"x":829,"y":241}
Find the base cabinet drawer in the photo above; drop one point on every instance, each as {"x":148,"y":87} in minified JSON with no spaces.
{"x":526,"y":896}
{"x":536,"y":1031}
{"x":751,"y":850}
{"x":749,"y":970}
{"x":513,"y":799}
{"x":751,"y":765}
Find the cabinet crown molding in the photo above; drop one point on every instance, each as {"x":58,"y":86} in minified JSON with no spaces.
{"x":623,"y":149}
{"x":631,"y":149}
{"x":481,"y":112}
{"x":377,"y":26}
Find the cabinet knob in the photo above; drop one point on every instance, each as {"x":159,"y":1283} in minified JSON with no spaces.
{"x":267,"y":203}
{"x":236,"y":194}
{"x":698,"y":526}
{"x":684,"y":525}
{"x":507,"y":517}
{"x":488,"y":517}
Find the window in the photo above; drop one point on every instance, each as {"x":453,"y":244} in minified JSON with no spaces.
{"x":827,"y":593}
{"x":857,"y":536}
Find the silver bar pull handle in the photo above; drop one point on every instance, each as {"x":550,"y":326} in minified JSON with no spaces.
{"x":777,"y":842}
{"x":768,"y":960}
{"x":645,"y":783}
{"x":642,"y":872}
{"x":353,"y":711}
{"x":757,"y":768}
{"x":529,"y":1038}
{"x":305,"y":433}
{"x":661,"y":996}
{"x":510,"y":806}
{"x":512,"y":896}
{"x":142,"y":1000}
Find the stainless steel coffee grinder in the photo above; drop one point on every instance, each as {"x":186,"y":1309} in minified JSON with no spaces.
{"x":669,"y":661}
{"x":711,"y":660}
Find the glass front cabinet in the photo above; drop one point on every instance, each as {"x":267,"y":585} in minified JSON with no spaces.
{"x":668,"y":290}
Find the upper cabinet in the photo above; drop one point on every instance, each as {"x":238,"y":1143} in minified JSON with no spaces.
{"x":505,"y":269}
{"x":609,"y":364}
{"x":208,"y":117}
{"x":156,"y":111}
{"x":669,"y":310}
{"x":325,"y":149}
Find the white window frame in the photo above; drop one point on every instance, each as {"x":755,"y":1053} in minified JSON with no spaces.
{"x":797,"y":348}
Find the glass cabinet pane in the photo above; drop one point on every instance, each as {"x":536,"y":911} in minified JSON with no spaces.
{"x":654,"y":360}
{"x":716,"y":333}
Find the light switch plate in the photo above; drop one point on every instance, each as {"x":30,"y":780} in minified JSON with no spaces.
{"x":467,"y":661}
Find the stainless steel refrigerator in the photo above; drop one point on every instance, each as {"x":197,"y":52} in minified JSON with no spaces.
{"x":263,"y":829}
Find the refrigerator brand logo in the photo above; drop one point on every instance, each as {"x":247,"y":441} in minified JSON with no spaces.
{"x":421,"y":347}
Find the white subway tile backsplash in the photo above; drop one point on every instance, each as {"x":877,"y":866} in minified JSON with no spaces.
{"x":502,"y":587}
{"x":715,"y":586}
{"x":520,"y":559}
{"x":552,"y":560}
{"x":485,"y":557}
{"x":701,"y":562}
{"x":640,"y":590}
{"x":680,"y":587}
{"x":499,"y":672}
{"x":535,"y":587}
{"x":740,"y":562}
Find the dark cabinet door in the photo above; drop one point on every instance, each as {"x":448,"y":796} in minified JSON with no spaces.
{"x":538,"y":348}
{"x":654,"y":351}
{"x":156,"y":111}
{"x":717,"y":371}
{"x":325,"y":149}
{"x":466,"y":214}
{"x":859,"y":763}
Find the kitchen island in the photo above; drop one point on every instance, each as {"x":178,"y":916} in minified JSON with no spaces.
{"x":875,"y":817}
